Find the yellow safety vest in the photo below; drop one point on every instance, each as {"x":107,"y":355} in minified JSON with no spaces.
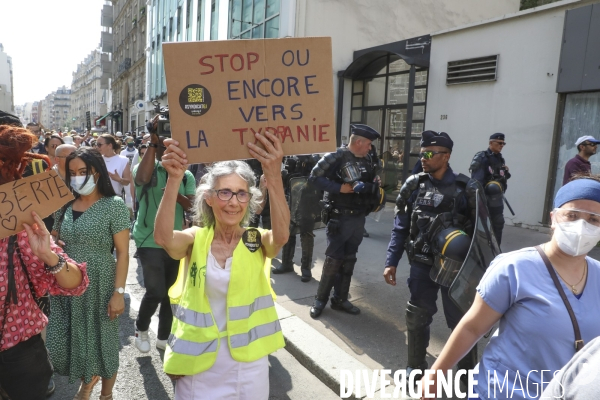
{"x":253,"y":329}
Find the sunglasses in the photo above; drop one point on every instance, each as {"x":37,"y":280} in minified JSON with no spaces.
{"x":100,"y":144}
{"x":591,"y":144}
{"x":500,"y":143}
{"x":428,"y":155}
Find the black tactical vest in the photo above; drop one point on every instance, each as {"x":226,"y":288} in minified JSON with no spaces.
{"x":495,"y":171}
{"x":434,"y":209}
{"x":354,"y":201}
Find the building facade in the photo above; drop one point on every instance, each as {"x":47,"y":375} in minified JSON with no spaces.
{"x":128,"y":55}
{"x":86,"y":92}
{"x":486,"y":78}
{"x":356,"y":24}
{"x":55,"y":110}
{"x":6,"y":82}
{"x":19,"y":112}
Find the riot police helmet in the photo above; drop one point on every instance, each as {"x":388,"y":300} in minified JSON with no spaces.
{"x":493,"y":188}
{"x":450,"y":248}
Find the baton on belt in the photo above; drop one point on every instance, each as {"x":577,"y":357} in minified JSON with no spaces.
{"x":508,"y":205}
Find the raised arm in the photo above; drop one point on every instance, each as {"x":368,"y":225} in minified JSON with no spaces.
{"x":176,"y":243}
{"x":146,"y":167}
{"x":477,"y":322}
{"x":271,"y":158}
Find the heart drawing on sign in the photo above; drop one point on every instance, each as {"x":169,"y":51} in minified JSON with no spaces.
{"x":6,"y":223}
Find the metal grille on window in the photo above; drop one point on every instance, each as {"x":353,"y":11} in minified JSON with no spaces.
{"x":472,"y":70}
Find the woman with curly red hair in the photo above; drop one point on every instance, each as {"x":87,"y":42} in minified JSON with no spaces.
{"x":30,"y":265}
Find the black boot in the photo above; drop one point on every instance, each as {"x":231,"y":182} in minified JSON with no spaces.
{"x":330,"y":268}
{"x":417,"y":331}
{"x":307,"y":241}
{"x":51,"y":388}
{"x":287,"y":257}
{"x":340,"y":301}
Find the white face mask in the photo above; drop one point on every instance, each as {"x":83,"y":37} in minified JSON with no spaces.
{"x":88,"y":188}
{"x":576,"y":237}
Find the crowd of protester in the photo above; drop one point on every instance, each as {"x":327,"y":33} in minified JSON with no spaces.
{"x":204,"y":237}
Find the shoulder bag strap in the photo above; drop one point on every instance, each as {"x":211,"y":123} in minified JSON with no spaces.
{"x":578,"y":340}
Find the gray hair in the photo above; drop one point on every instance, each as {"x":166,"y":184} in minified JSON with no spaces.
{"x":203,"y":213}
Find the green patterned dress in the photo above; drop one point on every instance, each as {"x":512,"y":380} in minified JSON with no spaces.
{"x":82,"y":340}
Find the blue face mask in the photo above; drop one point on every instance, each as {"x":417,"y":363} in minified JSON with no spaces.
{"x":79,"y":187}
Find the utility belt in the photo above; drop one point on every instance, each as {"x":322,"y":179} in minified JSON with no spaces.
{"x":421,"y":255}
{"x":330,"y":211}
{"x":337,"y":211}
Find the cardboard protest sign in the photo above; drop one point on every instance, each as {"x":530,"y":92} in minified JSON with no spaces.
{"x":223,"y":92}
{"x":43,"y":193}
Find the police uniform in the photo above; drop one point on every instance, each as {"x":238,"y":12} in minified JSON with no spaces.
{"x":425,"y":207}
{"x":347,"y":212}
{"x":265,"y":216}
{"x":490,"y":170}
{"x":303,"y":215}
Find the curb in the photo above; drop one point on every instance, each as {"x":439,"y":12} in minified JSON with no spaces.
{"x":320,"y":355}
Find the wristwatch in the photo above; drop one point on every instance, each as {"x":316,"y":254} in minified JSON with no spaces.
{"x":120,"y":290}
{"x":153,"y":145}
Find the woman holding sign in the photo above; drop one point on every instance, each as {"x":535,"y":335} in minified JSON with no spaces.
{"x":83,"y":334}
{"x":29,"y":259}
{"x":224,"y":318}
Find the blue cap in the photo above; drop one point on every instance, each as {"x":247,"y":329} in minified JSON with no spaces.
{"x":432,"y":138}
{"x":365,"y":131}
{"x":578,"y":189}
{"x":497,"y":136}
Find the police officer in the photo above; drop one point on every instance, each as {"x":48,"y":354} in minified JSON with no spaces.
{"x":429,"y":204}
{"x":349,"y":178}
{"x":265,"y":215}
{"x":489,"y":168}
{"x":303,"y":214}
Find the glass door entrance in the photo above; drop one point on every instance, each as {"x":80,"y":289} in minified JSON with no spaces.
{"x":380,"y":97}
{"x":392,"y":149}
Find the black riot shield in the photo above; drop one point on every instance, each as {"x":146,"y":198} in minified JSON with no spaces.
{"x":483,"y":250}
{"x":305,"y":210}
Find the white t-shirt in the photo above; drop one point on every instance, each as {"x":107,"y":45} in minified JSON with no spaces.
{"x":118,"y":163}
{"x":133,"y":156}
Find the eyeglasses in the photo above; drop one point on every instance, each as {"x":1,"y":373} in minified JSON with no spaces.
{"x":571,"y":215}
{"x":429,"y":154}
{"x":226,"y":195}
{"x":591,"y":144}
{"x":500,"y":143}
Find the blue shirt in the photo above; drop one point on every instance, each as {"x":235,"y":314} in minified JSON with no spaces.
{"x":401,"y":229}
{"x":535,"y":331}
